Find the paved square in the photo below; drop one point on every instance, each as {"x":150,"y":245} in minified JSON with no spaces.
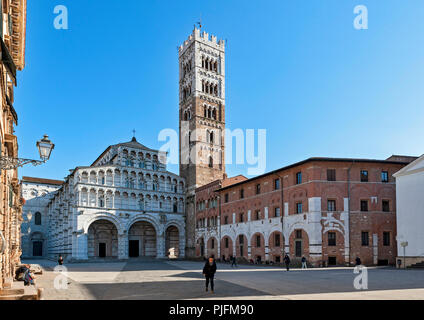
{"x":153,"y":279}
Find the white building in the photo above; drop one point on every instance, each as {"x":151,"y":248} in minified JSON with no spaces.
{"x":37,"y":193}
{"x":124,"y":205}
{"x":410,"y":211}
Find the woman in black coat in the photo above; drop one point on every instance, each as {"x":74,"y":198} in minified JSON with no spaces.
{"x":209,"y":271}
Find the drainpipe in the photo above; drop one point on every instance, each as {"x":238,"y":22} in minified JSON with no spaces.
{"x":219,"y":229}
{"x":282,"y":215}
{"x":348,"y":211}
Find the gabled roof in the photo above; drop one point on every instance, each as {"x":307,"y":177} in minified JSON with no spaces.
{"x":42,"y":181}
{"x":413,"y":167}
{"x":133,"y":144}
{"x":130,"y":144}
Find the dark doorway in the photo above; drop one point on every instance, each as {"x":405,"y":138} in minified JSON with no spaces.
{"x":102,"y":249}
{"x":134,"y":248}
{"x":37,"y":248}
{"x":298,"y":248}
{"x":332,"y":261}
{"x":383,"y":262}
{"x":202,"y":248}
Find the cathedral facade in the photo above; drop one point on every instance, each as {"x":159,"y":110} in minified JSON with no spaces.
{"x":123,"y":205}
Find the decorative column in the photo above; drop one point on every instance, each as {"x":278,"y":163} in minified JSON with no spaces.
{"x":123,"y":246}
{"x":315,"y":230}
{"x":266,"y":242}
{"x":160,"y":245}
{"x":82,"y":247}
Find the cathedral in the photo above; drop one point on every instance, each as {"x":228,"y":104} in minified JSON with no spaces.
{"x":125,"y":204}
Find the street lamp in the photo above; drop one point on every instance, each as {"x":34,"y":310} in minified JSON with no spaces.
{"x":45,"y":147}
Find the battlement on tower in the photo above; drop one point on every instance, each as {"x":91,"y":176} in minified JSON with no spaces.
{"x":203,"y":37}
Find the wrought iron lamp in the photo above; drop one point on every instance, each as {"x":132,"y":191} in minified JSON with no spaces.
{"x":45,"y":147}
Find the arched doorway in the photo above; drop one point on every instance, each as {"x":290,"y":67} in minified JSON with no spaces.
{"x":37,"y":240}
{"x":102,"y":239}
{"x":142,"y":240}
{"x":172,"y":242}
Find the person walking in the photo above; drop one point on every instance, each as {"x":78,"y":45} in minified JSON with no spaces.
{"x":60,"y":260}
{"x":209,"y":271}
{"x":304,"y":266}
{"x":287,"y":261}
{"x":233,"y":262}
{"x":357,"y":261}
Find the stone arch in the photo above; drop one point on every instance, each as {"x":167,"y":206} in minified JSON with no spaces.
{"x":330,"y":252}
{"x":172,"y":240}
{"x":102,"y":239}
{"x":242,"y":245}
{"x":257,"y":241}
{"x":298,"y":243}
{"x":142,"y":239}
{"x":212,"y":247}
{"x":104,"y":216}
{"x":275,"y":248}
{"x":227,"y":250}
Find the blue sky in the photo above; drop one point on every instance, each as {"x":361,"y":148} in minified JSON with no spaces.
{"x":296,"y":68}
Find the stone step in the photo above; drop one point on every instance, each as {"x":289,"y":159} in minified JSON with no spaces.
{"x":419,"y":265}
{"x":20,"y":297}
{"x":8,"y":292}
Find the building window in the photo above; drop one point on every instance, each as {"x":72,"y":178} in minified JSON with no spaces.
{"x":386,"y":206}
{"x":277,"y":240}
{"x":299,"y":178}
{"x":386,"y":238}
{"x":226,"y":243}
{"x":332,"y":239}
{"x":241,"y":193}
{"x":299,"y":207}
{"x":258,"y":241}
{"x":257,"y":215}
{"x":226,"y":197}
{"x":364,"y":205}
{"x":331,"y":174}
{"x":277,"y":212}
{"x":226,"y":220}
{"x":213,"y":244}
{"x":364,"y":176}
{"x":37,"y":219}
{"x":298,"y":234}
{"x":258,"y":189}
{"x":276,"y":184}
{"x":384,"y":176}
{"x":241,"y":217}
{"x":210,"y":162}
{"x":365,"y":239}
{"x":331,"y":205}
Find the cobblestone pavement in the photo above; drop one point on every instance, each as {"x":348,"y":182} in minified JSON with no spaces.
{"x":153,"y":279}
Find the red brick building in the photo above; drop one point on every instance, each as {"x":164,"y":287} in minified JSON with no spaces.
{"x":330,"y":210}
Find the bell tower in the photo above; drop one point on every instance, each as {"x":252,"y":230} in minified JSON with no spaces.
{"x":201,"y":116}
{"x":202,"y":109}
